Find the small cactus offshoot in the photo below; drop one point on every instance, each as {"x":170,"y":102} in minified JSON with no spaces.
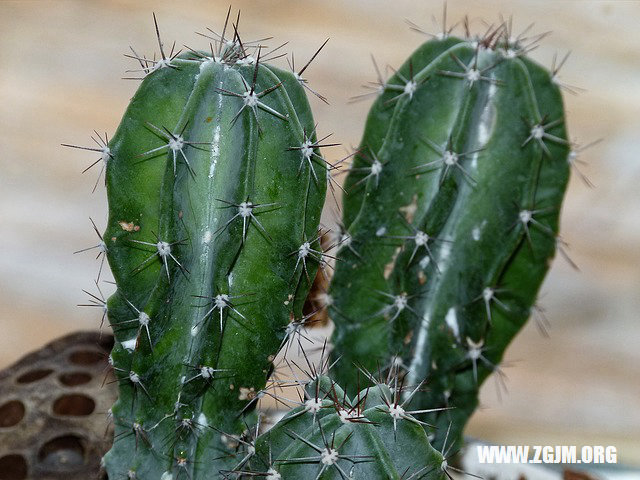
{"x":373,"y":435}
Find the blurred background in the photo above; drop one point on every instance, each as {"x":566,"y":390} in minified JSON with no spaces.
{"x":61,"y":65}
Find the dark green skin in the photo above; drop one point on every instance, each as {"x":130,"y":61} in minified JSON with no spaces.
{"x":508,"y":177}
{"x":372,"y":447}
{"x":235,"y":162}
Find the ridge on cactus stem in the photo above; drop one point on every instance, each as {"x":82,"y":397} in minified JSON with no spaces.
{"x":455,"y":232}
{"x":213,"y":177}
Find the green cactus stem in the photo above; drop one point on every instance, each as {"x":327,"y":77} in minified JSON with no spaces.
{"x":215,"y":187}
{"x":329,"y":436}
{"x":451,"y":219}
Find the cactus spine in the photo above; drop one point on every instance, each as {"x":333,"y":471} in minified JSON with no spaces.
{"x":452,"y":235}
{"x":215,"y":191}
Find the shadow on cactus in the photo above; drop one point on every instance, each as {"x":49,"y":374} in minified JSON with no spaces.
{"x":216,"y":184}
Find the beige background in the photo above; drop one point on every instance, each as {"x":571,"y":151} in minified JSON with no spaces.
{"x":60,"y":69}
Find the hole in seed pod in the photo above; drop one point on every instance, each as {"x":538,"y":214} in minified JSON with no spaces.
{"x":62,"y":453}
{"x":13,"y":467}
{"x":106,"y":342}
{"x":86,"y":357}
{"x":74,"y":405}
{"x":11,"y":413}
{"x":72,"y":379}
{"x":34,"y":375}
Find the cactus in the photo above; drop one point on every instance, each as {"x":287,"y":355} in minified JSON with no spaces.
{"x":451,"y":218}
{"x":215,"y":187}
{"x":328,"y":436}
{"x":216,"y":184}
